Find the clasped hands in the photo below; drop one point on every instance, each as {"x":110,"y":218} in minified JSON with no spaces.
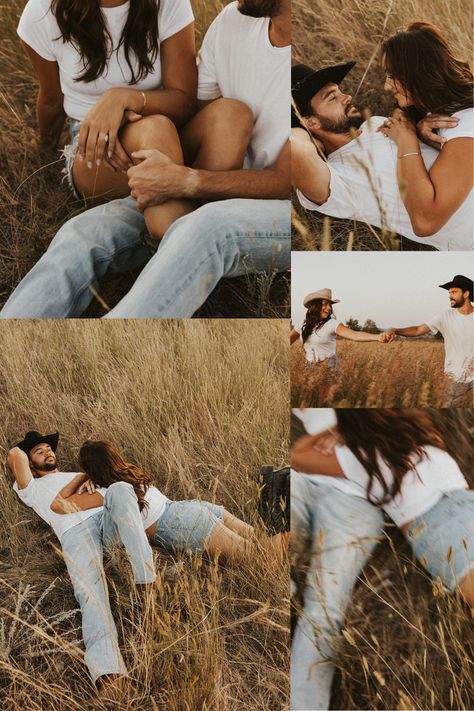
{"x":425,"y":129}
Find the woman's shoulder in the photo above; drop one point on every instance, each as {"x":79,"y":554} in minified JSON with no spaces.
{"x":465,"y":127}
{"x":38,"y":10}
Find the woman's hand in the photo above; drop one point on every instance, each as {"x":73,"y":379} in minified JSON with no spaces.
{"x":398,"y":126}
{"x":99,"y":129}
{"x":429,"y":124}
{"x":87,"y":486}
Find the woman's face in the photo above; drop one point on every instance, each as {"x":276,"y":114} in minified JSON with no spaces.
{"x":326,"y":308}
{"x":394,"y":87}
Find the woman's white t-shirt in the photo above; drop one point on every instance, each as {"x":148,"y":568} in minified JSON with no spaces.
{"x":321,"y":344}
{"x":422,"y":487}
{"x":38,"y":29}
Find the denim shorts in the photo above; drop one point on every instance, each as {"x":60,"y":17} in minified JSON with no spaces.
{"x":69,"y":153}
{"x":442,"y":538}
{"x":186,"y":525}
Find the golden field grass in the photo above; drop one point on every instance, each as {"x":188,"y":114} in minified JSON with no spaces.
{"x":183,"y":401}
{"x":326,"y":33}
{"x":404,"y":373}
{"x":35,"y":201}
{"x":406,"y":644}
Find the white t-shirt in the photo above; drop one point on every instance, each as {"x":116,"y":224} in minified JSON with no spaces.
{"x":458,"y":333}
{"x":39,"y":495}
{"x":321,"y":344}
{"x":39,"y":29}
{"x":315,"y":421}
{"x":422,"y":487}
{"x":364,"y":186}
{"x":156,"y":505}
{"x":237,"y":61}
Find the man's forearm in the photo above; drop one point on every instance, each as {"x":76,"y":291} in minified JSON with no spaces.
{"x":223,"y":185}
{"x":408,"y":331}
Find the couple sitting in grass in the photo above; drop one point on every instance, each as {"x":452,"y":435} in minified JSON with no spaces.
{"x":197,"y":157}
{"x":418,"y":183}
{"x":113,"y":501}
{"x":319,"y":329}
{"x":349,"y":468}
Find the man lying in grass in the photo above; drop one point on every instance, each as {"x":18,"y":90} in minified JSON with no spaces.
{"x":343,"y":166}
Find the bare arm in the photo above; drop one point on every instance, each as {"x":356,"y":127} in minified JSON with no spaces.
{"x":294,"y":335}
{"x":351,"y":335}
{"x":68,"y":501}
{"x":305,"y":458}
{"x":49,"y":105}
{"x":411,"y":331}
{"x":19,"y":464}
{"x":309,"y":171}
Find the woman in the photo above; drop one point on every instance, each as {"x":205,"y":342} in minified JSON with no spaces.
{"x":319,"y":329}
{"x":399,"y":460}
{"x":428,"y":80}
{"x":172,"y":525}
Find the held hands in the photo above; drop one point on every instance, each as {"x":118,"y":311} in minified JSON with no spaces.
{"x":155,"y":179}
{"x":427,"y":126}
{"x":397,"y":126}
{"x":387,"y":336}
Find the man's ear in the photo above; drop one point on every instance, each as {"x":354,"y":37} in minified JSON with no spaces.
{"x":310,"y":122}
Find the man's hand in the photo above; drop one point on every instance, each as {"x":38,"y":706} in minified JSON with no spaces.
{"x":387,"y":336}
{"x":156,"y":179}
{"x":427,"y":126}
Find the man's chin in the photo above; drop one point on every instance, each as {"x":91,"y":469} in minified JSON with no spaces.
{"x":48,"y":467}
{"x":259,"y":8}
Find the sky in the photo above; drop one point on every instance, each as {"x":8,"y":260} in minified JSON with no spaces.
{"x":393,"y":288}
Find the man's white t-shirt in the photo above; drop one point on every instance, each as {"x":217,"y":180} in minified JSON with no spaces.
{"x":422,"y":487}
{"x":39,"y":29}
{"x":315,"y":421}
{"x":321,"y":344}
{"x":238,"y":61}
{"x":458,"y":333}
{"x":364,"y":186}
{"x":39,"y":495}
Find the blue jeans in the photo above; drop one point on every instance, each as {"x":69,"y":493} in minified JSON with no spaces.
{"x":82,"y":545}
{"x":342,"y":531}
{"x":227,"y":238}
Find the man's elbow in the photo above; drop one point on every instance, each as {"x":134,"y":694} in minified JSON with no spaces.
{"x":426,"y":225}
{"x":57,"y":506}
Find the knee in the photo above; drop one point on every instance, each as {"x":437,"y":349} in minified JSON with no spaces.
{"x":118,"y":492}
{"x":232,"y":115}
{"x":151,"y":129}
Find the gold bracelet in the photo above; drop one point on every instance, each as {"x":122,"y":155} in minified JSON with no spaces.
{"x":405,"y":155}
{"x":144,"y":101}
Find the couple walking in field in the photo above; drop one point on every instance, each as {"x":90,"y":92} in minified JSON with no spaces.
{"x":320,"y":327}
{"x":348,"y":470}
{"x":112,"y":501}
{"x":418,"y":183}
{"x":150,"y":128}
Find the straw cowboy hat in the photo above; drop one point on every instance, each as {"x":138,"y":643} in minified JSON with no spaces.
{"x":321,"y":294}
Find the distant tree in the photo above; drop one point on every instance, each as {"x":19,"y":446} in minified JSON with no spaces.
{"x":353,"y":323}
{"x":370,"y":326}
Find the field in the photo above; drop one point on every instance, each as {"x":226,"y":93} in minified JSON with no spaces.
{"x":184,"y":402}
{"x":406,"y":644}
{"x":400,"y":374}
{"x":35,"y":201}
{"x":326,"y":33}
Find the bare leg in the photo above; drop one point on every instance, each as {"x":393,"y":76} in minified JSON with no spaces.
{"x":238,"y":526}
{"x":227,"y":543}
{"x":466,"y":588}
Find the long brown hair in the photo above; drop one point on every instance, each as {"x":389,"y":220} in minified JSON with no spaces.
{"x":421,"y":59}
{"x":313,"y":320}
{"x":104,"y":465}
{"x":399,"y":437}
{"x":81,"y":23}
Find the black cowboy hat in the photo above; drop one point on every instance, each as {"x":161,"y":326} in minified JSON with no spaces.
{"x":460,"y":282}
{"x":33,"y":438}
{"x":306,"y":82}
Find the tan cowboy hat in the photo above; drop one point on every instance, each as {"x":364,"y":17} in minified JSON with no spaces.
{"x":321,"y":294}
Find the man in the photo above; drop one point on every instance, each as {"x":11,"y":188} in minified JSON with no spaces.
{"x":456,"y":326}
{"x":341,"y":529}
{"x":343,"y":166}
{"x":245,"y":56}
{"x":82,"y":534}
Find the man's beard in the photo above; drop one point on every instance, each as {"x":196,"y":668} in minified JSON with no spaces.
{"x":457,"y":304}
{"x":342,"y":125}
{"x":46,"y":467}
{"x":259,"y":8}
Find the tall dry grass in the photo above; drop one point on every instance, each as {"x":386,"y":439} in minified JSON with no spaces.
{"x":407,"y":644}
{"x":35,"y":201}
{"x":326,"y":33}
{"x":405,"y":373}
{"x":185,"y":402}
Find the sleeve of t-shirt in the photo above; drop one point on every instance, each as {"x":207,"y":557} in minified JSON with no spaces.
{"x":173,"y":16}
{"x":337,"y":324}
{"x":36,"y":28}
{"x":435,"y":324}
{"x":339,"y":201}
{"x":26,"y":495}
{"x":208,"y":86}
{"x":298,"y":325}
{"x":350,"y":465}
{"x":465,"y":127}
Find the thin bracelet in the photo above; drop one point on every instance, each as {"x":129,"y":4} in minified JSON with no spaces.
{"x":405,"y":155}
{"x":144,"y":101}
